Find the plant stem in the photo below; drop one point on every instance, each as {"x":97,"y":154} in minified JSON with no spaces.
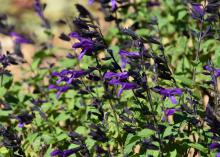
{"x":198,"y":49}
{"x":117,"y":126}
{"x":197,"y":56}
{"x":155,"y":121}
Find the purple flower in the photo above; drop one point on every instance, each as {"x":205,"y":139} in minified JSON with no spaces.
{"x":19,"y":39}
{"x":56,"y":152}
{"x":118,"y":76}
{"x":118,"y":79}
{"x":170,"y":93}
{"x":113,"y":3}
{"x":210,"y":69}
{"x":218,"y":154}
{"x":90,"y":2}
{"x":39,"y":10}
{"x":125,"y":54}
{"x":65,"y":153}
{"x":168,"y":112}
{"x":213,"y":72}
{"x":69,"y":75}
{"x":24,"y":118}
{"x":60,"y":89}
{"x":198,"y":11}
{"x":87,"y":45}
{"x":214,"y":145}
{"x":127,"y":86}
{"x":75,"y":35}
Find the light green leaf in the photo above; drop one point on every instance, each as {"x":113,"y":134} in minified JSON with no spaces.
{"x":181,"y":14}
{"x":173,"y":153}
{"x":198,"y":147}
{"x":3,"y":150}
{"x":145,"y":133}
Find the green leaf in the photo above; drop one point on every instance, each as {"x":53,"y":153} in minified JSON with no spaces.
{"x":131,"y":139}
{"x":49,"y":150}
{"x":3,"y":150}
{"x":182,"y":14}
{"x":62,"y":137}
{"x":183,"y":80}
{"x":90,"y":143}
{"x":62,"y":117}
{"x":168,"y":131}
{"x":2,"y":91}
{"x":82,"y":130}
{"x":5,"y":113}
{"x":129,"y":136}
{"x":35,"y":64}
{"x":47,"y":138}
{"x":173,"y":153}
{"x":198,"y":147}
{"x":130,"y":142}
{"x":154,"y":153}
{"x":6,"y":81}
{"x":129,"y":148}
{"x":31,"y":137}
{"x":142,"y":32}
{"x":145,"y":133}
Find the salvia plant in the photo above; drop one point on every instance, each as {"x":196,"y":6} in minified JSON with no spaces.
{"x":147,"y":85}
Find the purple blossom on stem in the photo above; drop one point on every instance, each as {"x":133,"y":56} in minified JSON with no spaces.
{"x":24,"y":118}
{"x":90,"y":2}
{"x":118,"y":76}
{"x":168,"y":112}
{"x":19,"y":39}
{"x":118,"y":79}
{"x":65,"y":153}
{"x":60,"y":89}
{"x":127,"y":86}
{"x":214,"y":145}
{"x":170,"y":93}
{"x":39,"y":10}
{"x":69,"y":75}
{"x":210,"y":69}
{"x":198,"y":11}
{"x":213,"y":72}
{"x":125,"y":54}
{"x":56,"y":152}
{"x":113,"y":3}
{"x":87,"y":45}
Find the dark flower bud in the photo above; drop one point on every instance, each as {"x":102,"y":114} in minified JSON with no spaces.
{"x":64,"y":37}
{"x":129,"y":129}
{"x":82,"y":11}
{"x":25,"y":118}
{"x":97,"y":133}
